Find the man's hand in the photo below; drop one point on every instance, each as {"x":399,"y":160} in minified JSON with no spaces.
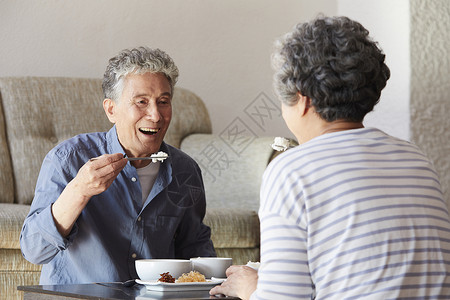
{"x":97,"y":174}
{"x":93,"y":178}
{"x":241,"y":282}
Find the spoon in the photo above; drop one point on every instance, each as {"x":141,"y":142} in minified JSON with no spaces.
{"x":129,"y":283}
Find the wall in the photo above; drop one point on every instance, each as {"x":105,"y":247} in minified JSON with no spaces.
{"x":222,"y":48}
{"x":388,"y":24}
{"x":415,"y":36}
{"x":430,"y":83}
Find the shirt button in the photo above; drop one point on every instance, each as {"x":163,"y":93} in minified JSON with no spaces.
{"x":133,"y":179}
{"x":139,"y":219}
{"x":133,"y":255}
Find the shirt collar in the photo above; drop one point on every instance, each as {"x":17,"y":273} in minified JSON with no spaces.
{"x":166,"y":165}
{"x":114,"y":145}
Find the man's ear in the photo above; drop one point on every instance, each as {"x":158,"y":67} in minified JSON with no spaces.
{"x":109,"y":107}
{"x":304,"y":104}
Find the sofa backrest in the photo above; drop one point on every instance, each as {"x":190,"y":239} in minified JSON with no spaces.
{"x":40,"y":112}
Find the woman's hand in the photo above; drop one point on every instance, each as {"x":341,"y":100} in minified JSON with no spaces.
{"x":241,"y":282}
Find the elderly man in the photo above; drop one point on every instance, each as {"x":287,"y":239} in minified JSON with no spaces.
{"x":95,"y":211}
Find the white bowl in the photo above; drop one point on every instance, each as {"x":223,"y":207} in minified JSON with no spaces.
{"x":151,"y":269}
{"x":212,"y":266}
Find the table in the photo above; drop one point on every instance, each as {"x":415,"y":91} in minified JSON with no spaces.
{"x":107,"y":291}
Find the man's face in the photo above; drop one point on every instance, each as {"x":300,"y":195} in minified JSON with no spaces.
{"x":142,"y":114}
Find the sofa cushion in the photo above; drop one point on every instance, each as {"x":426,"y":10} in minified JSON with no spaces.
{"x":10,"y":281}
{"x":231,"y":179}
{"x":12,"y":260}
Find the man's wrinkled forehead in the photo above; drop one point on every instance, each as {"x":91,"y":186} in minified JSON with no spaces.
{"x":123,"y":80}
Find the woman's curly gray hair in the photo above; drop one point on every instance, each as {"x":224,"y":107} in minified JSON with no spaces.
{"x":136,"y":61}
{"x":334,"y":62}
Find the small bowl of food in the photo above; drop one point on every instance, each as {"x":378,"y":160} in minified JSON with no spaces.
{"x":281,"y":144}
{"x":151,"y":269}
{"x":212,"y":266}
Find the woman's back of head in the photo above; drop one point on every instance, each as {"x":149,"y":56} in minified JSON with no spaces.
{"x":334,"y":62}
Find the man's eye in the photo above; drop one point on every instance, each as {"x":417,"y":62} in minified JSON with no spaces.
{"x":141,"y":102}
{"x":164,"y":101}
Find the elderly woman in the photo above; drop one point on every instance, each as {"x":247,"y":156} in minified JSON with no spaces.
{"x":352,"y":212}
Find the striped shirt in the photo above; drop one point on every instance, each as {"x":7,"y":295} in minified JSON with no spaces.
{"x":355,"y":214}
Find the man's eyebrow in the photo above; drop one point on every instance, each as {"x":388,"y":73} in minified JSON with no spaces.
{"x":167,"y":94}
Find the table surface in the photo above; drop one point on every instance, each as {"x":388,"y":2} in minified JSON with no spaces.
{"x":109,"y":291}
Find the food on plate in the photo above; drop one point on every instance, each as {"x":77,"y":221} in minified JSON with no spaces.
{"x":166,"y":277}
{"x":192,"y":276}
{"x":280,"y":144}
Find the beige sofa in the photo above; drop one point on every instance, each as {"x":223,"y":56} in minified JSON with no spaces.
{"x":36,"y":113}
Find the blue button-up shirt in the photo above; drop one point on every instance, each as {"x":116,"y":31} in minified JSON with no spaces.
{"x":115,"y":229}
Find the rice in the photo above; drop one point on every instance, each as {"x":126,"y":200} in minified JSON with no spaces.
{"x":192,"y":276}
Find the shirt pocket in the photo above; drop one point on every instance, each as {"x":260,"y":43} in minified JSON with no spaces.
{"x":162,"y":236}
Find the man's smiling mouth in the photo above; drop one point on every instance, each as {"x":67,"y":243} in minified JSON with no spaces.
{"x":149,"y":131}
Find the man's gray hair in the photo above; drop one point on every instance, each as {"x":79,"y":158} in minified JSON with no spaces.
{"x":136,"y":61}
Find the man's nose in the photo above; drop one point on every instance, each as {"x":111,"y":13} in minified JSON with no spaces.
{"x":152,"y":112}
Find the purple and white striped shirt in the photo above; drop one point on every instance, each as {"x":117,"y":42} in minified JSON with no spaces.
{"x":355,"y":214}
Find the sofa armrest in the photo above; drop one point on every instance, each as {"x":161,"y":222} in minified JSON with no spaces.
{"x":233,"y":227}
{"x":12,"y":217}
{"x":235,"y":233}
